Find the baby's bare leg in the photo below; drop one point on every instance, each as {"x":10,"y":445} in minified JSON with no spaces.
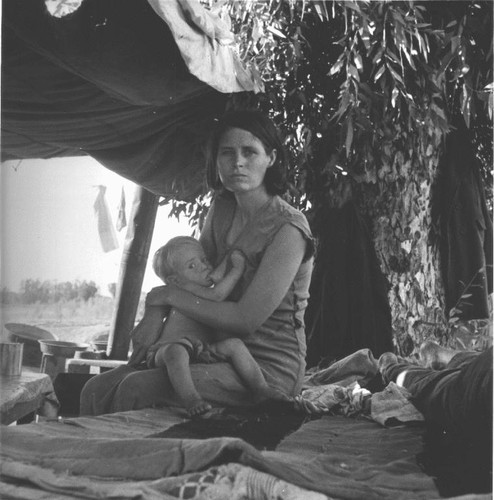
{"x":249,"y":371}
{"x":176,"y":359}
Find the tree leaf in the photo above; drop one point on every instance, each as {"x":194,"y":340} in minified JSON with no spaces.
{"x":321,"y":10}
{"x":395,"y":74}
{"x":353,"y":72}
{"x":394,"y":95}
{"x":349,"y":137}
{"x":379,"y":73}
{"x":391,"y":55}
{"x":336,"y":68}
{"x":275,"y":31}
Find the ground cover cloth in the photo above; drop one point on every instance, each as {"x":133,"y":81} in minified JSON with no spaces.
{"x":150,"y":452}
{"x":335,"y":456}
{"x":155,"y":453}
{"x":106,"y":81}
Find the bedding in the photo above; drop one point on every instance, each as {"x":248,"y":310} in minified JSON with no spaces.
{"x":254,"y":453}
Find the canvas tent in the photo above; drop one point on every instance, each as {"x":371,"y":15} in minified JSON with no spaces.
{"x":108,"y":80}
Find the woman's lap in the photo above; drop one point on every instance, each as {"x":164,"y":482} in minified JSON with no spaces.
{"x":125,"y":388}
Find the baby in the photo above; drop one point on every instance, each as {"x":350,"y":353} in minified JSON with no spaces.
{"x":183,"y":263}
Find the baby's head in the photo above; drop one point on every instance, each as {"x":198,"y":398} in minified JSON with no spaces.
{"x":182,"y":260}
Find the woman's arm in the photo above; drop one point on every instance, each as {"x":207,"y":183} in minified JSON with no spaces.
{"x":206,"y":238}
{"x":271,"y":282}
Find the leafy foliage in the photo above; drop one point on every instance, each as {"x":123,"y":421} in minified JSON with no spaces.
{"x":354,"y":84}
{"x":33,"y":291}
{"x":364,"y":92}
{"x":194,"y":212}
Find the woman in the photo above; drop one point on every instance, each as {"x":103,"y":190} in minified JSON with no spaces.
{"x":246,"y":168}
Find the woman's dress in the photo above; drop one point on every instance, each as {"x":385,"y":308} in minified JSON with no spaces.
{"x":278,"y":345}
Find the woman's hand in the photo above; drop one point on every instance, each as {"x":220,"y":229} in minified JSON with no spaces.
{"x":160,"y":295}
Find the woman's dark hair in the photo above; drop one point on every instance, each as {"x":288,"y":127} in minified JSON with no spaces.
{"x":259,"y":125}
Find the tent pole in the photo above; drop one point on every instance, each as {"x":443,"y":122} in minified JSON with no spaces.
{"x":132,"y":268}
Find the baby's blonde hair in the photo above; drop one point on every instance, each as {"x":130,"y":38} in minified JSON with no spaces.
{"x":163,"y":264}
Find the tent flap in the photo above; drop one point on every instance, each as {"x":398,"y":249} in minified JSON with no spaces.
{"x":106,"y":81}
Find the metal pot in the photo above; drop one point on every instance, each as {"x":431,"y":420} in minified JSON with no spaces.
{"x":61,"y":348}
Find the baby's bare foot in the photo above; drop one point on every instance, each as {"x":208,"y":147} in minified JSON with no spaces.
{"x":198,"y":407}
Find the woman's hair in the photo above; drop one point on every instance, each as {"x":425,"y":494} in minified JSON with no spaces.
{"x":163,"y":259}
{"x":259,"y":125}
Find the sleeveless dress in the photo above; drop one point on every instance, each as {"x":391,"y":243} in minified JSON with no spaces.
{"x":278,"y":345}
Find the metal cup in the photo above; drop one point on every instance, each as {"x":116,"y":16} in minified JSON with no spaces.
{"x":11,"y":358}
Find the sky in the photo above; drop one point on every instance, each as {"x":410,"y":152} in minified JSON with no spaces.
{"x":49,"y":227}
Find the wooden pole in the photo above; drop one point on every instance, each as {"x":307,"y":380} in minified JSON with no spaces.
{"x":132,"y":268}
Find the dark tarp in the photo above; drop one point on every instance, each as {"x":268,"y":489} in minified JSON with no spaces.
{"x":460,"y":208}
{"x":108,"y":81}
{"x":338,"y":457}
{"x":349,"y":308}
{"x":341,"y":457}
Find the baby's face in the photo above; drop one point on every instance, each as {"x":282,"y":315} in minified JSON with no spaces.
{"x":192,"y":266}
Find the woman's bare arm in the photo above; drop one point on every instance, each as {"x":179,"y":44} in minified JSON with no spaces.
{"x":271,"y":282}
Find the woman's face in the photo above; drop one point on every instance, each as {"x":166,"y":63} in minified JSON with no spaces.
{"x":242,"y":161}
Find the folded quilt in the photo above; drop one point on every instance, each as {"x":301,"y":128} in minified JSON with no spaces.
{"x":231,"y":481}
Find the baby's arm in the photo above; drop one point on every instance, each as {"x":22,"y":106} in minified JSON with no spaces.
{"x":224,"y":287}
{"x":219,"y":273}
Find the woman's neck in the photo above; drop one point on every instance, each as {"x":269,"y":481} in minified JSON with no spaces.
{"x":249,"y":203}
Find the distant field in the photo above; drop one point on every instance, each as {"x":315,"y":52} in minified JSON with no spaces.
{"x":73,"y":320}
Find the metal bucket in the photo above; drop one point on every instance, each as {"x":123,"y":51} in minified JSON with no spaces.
{"x":11,"y":359}
{"x":29,"y":336}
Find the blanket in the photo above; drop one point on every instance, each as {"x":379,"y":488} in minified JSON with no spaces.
{"x":159,"y":453}
{"x":331,"y":463}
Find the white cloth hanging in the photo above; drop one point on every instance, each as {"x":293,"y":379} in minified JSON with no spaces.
{"x":207,"y":45}
{"x":121,"y":217}
{"x":106,"y":231}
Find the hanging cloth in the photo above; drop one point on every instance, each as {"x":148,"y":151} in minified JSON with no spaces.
{"x":466,"y":237}
{"x":348,"y":307}
{"x":121,"y":217}
{"x":207,"y":46}
{"x":106,"y":231}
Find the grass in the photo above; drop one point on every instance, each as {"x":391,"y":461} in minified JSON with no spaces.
{"x":70,"y":320}
{"x":79,"y":321}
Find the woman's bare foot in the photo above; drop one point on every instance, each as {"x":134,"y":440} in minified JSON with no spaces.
{"x":197,"y":407}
